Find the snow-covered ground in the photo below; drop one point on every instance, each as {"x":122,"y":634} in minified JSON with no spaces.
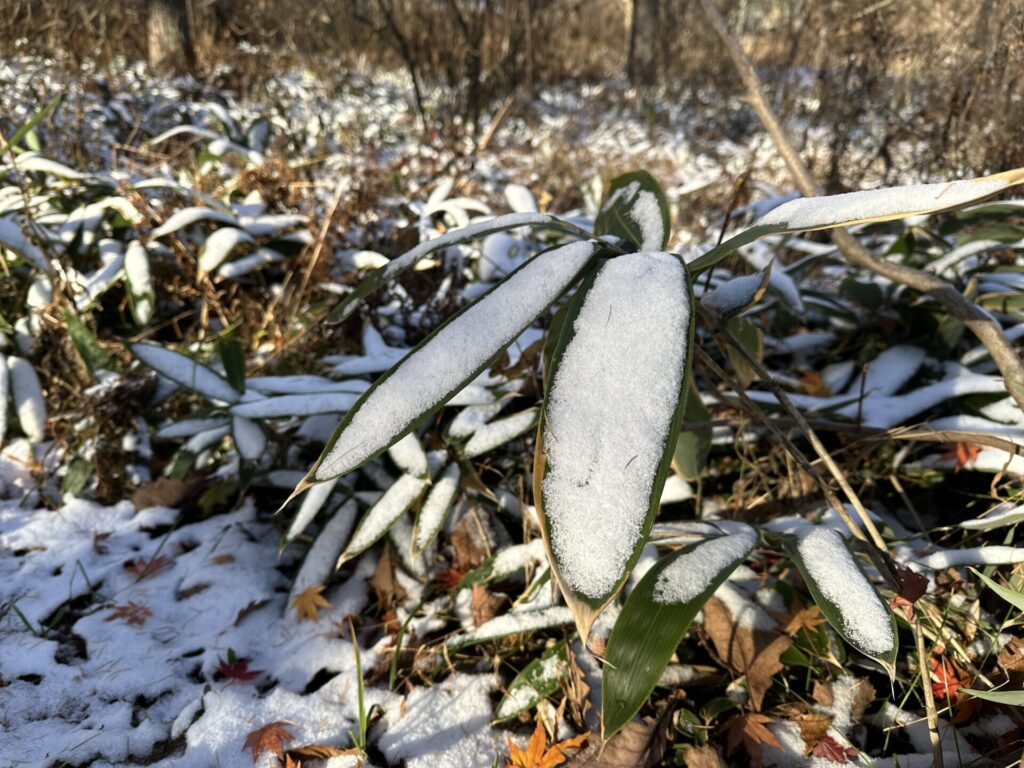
{"x":163,"y":635}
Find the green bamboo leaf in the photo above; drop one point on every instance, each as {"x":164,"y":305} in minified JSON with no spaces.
{"x":1012,"y":596}
{"x":88,"y":346}
{"x":656,"y":616}
{"x":752,"y":339}
{"x":1012,"y":698}
{"x":539,"y":679}
{"x":29,"y":125}
{"x":690,"y":456}
{"x":635,"y":211}
{"x":232,"y":357}
{"x":846,"y":598}
{"x":611,"y":412}
{"x":444,"y":362}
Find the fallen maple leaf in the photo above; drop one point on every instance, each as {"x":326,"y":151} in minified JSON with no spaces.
{"x":804,"y":618}
{"x":270,"y":738}
{"x":746,"y":651}
{"x":309,"y":601}
{"x":536,"y":756}
{"x":238,"y":669}
{"x":131,"y":613}
{"x":832,"y":750}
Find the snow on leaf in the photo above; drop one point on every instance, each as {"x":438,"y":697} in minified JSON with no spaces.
{"x":610,"y":409}
{"x":308,"y":602}
{"x":186,"y":372}
{"x":186,"y":217}
{"x":436,"y":507}
{"x":490,"y":436}
{"x":380,"y":517}
{"x":295,"y":405}
{"x":268,"y":738}
{"x":220,"y":245}
{"x":448,"y":359}
{"x":13,"y":239}
{"x":885,"y":204}
{"x":140,"y":282}
{"x":397,"y":266}
{"x":843,"y":593}
{"x":27,"y":395}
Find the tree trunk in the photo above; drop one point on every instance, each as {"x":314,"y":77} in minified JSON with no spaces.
{"x":169,"y":39}
{"x":643,"y":43}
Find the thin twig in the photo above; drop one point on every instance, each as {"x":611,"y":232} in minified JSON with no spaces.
{"x":929,"y":696}
{"x":818,"y":446}
{"x":805,"y":464}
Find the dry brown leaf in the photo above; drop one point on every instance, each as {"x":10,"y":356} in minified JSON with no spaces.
{"x":319,"y":752}
{"x":822,"y":693}
{"x":704,"y":756}
{"x":803,"y":618}
{"x":165,"y":492}
{"x":640,"y":744}
{"x":131,"y":613}
{"x":832,"y":750}
{"x":484,"y":605}
{"x":863,"y":694}
{"x":1011,"y":659}
{"x":577,"y":692}
{"x":308,"y":602}
{"x":383,"y":582}
{"x":270,"y":738}
{"x":813,"y":727}
{"x":750,"y":731}
{"x":468,"y":543}
{"x":753,"y":653}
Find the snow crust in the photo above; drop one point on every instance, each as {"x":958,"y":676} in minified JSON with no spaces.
{"x":608,"y":414}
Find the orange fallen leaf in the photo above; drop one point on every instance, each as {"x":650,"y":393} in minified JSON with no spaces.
{"x":536,"y":756}
{"x":270,"y":738}
{"x":308,"y":602}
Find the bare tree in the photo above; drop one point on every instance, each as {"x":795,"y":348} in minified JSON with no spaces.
{"x":642,"y":67}
{"x":169,"y":38}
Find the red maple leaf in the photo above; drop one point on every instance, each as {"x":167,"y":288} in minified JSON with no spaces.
{"x":947,"y":678}
{"x":238,"y":669}
{"x":832,"y":750}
